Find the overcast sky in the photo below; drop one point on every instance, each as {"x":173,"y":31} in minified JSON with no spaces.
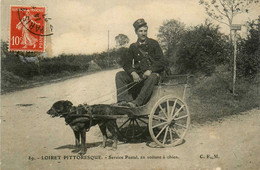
{"x":81,"y":26}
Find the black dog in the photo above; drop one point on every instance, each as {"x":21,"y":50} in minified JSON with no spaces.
{"x":81,"y":118}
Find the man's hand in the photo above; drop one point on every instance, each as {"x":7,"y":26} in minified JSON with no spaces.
{"x":136,"y":77}
{"x":147,"y":73}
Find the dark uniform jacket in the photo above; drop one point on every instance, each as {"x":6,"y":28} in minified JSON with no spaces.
{"x":142,"y":57}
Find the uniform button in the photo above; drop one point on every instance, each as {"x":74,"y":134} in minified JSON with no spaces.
{"x":138,"y":54}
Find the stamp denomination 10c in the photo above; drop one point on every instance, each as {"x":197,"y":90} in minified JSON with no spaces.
{"x":27,"y":29}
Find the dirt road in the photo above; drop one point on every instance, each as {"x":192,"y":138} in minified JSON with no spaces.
{"x":30,"y":139}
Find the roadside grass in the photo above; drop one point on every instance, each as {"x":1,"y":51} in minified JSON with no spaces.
{"x":10,"y":82}
{"x":17,"y":74}
{"x":211,"y":98}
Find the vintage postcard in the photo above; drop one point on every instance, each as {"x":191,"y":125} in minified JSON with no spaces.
{"x":130,"y":85}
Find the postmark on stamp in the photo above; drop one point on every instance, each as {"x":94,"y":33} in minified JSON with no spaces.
{"x":27,"y":29}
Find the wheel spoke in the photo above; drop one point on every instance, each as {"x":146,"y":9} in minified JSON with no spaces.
{"x":142,"y":120}
{"x":126,"y":131}
{"x":160,"y":118}
{"x":176,"y":132}
{"x":181,"y":117}
{"x":163,"y":111}
{"x":130,"y":123}
{"x":177,"y":113}
{"x":165,"y":135}
{"x":168,"y":108}
{"x":163,"y":123}
{"x":171,"y":134}
{"x":137,"y":123}
{"x":124,"y":123}
{"x":161,"y":131}
{"x":133,"y":129}
{"x":173,"y":108}
{"x":180,"y":125}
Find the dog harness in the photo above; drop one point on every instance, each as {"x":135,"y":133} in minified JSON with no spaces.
{"x":78,"y":116}
{"x":74,"y":115}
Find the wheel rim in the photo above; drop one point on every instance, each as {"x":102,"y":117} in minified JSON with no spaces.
{"x":169,"y":121}
{"x":132,"y":127}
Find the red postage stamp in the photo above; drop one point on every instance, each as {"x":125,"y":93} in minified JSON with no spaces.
{"x":27,"y":29}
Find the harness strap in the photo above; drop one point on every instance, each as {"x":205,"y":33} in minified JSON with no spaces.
{"x":89,"y":111}
{"x":111,"y":92}
{"x":80,"y":117}
{"x":135,"y":83}
{"x":90,"y":122}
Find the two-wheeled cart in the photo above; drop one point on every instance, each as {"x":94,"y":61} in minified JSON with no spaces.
{"x":166,"y":115}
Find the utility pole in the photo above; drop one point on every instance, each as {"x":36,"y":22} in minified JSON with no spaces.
{"x":108,"y":48}
{"x":235,"y":61}
{"x":235,"y":27}
{"x":108,"y":43}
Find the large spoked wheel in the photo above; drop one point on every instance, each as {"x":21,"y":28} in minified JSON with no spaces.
{"x":169,"y":121}
{"x":132,"y":127}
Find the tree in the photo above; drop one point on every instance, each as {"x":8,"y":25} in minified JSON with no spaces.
{"x":249,"y":57}
{"x":224,"y":11}
{"x":170,"y":34}
{"x":121,"y":40}
{"x":201,"y":49}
